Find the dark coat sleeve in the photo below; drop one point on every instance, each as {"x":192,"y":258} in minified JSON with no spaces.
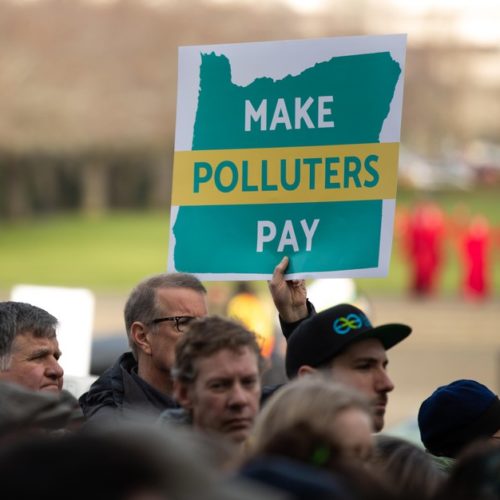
{"x":288,"y":328}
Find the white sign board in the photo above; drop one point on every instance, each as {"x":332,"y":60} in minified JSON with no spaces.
{"x":74,"y":309}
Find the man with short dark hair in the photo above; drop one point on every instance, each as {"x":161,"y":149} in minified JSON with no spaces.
{"x":29,"y":351}
{"x":217,"y":378}
{"x":340,"y":341}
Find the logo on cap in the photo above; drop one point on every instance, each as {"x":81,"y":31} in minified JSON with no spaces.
{"x":345,"y":324}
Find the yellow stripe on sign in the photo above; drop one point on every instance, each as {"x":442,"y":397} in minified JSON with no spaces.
{"x":285,"y":175}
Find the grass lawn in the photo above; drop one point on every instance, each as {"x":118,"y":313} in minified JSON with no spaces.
{"x":113,"y":252}
{"x":109,"y":253}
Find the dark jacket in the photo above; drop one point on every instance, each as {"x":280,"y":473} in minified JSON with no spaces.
{"x":287,"y":329}
{"x":119,"y":393}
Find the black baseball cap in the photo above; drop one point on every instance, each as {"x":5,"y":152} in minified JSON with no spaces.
{"x":323,"y":336}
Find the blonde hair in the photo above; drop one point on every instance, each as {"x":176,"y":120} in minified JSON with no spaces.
{"x":311,"y":400}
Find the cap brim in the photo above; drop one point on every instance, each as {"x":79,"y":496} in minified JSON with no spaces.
{"x":389,"y":334}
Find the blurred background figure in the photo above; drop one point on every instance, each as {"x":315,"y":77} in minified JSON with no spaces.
{"x":475,"y":248}
{"x":423,"y":245}
{"x":257,"y":314}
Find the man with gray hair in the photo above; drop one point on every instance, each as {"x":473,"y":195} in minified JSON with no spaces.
{"x":139,"y":384}
{"x":29,"y":351}
{"x":157,"y":313}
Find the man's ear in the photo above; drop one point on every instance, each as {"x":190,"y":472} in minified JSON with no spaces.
{"x":138,"y":332}
{"x":182,"y":395}
{"x":306,"y":370}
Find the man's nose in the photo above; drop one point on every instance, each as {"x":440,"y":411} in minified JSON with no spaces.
{"x":384,"y":382}
{"x":54,"y":369}
{"x":238,"y":395}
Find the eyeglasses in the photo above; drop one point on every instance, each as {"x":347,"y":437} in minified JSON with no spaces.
{"x":181,"y":322}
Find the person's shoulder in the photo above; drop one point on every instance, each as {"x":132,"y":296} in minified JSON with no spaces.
{"x":105,"y":395}
{"x":176,"y":416}
{"x":268,"y":391}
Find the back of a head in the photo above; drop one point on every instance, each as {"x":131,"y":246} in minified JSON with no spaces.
{"x":412,"y":472}
{"x":475,"y":475}
{"x":121,"y":462}
{"x":457,"y":414}
{"x":27,"y":412}
{"x":312,"y":399}
{"x":78,"y":466}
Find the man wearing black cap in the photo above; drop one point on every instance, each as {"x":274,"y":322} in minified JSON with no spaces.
{"x":456,"y":415}
{"x":339,"y":340}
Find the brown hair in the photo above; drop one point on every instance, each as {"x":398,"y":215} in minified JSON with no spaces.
{"x":206,"y":336}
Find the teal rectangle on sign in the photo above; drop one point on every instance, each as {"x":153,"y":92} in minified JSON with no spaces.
{"x":252,"y":239}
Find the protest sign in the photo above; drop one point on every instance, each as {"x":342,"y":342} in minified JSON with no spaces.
{"x":287,"y":148}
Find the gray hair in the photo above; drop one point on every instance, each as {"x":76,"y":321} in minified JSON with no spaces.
{"x":17,"y":318}
{"x":141,"y":304}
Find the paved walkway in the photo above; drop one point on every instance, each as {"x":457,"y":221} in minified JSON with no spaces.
{"x":451,"y":339}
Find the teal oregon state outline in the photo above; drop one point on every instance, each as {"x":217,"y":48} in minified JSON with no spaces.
{"x":362,"y":87}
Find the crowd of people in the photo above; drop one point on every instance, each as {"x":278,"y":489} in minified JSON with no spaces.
{"x":185,"y":414}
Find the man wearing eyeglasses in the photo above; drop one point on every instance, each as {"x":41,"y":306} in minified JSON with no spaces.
{"x":139,"y":384}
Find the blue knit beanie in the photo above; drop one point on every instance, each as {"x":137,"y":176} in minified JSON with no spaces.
{"x":456,"y":414}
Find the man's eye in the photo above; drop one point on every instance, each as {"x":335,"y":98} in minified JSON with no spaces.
{"x":364,"y":366}
{"x":250,"y":382}
{"x":218,"y":386}
{"x":183,"y":322}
